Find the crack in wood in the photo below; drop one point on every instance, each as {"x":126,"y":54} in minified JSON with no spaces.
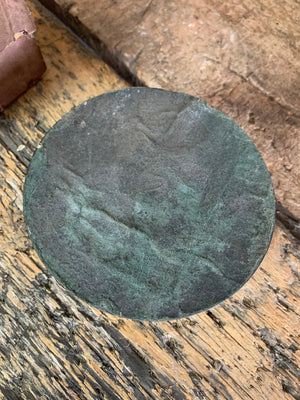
{"x":259,"y":88}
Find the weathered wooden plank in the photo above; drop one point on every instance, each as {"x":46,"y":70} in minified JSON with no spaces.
{"x":240,"y":56}
{"x":53,"y":346}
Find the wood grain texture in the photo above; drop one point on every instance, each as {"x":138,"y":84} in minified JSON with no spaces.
{"x":240,"y":56}
{"x":53,"y":346}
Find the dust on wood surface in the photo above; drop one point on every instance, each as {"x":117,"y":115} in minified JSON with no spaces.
{"x":240,"y":56}
{"x":53,"y":346}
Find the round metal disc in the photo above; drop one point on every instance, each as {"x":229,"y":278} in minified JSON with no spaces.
{"x":149,"y":204}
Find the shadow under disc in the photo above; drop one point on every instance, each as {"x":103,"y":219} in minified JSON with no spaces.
{"x":149,"y":204}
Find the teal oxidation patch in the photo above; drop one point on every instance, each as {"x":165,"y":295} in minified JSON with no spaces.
{"x":149,"y":204}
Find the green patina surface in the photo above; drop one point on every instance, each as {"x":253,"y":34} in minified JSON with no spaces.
{"x":149,"y":204}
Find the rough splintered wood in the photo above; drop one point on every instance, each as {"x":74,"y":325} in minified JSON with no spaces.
{"x":21,"y":62}
{"x":52,"y":346}
{"x":241,"y":57}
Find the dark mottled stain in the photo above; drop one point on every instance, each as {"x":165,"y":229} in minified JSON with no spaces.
{"x":197,"y":381}
{"x":290,"y":221}
{"x":101,"y":388}
{"x":216,"y":320}
{"x":29,"y":396}
{"x":141,"y":367}
{"x":6,"y":351}
{"x":81,"y":88}
{"x":288,"y":387}
{"x":74,"y":386}
{"x":11,"y":394}
{"x":135,"y":361}
{"x":284,"y":362}
{"x":217,"y":384}
{"x":174,"y":391}
{"x":72,"y":75}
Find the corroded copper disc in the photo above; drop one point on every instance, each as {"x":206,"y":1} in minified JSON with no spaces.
{"x":149,"y":204}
